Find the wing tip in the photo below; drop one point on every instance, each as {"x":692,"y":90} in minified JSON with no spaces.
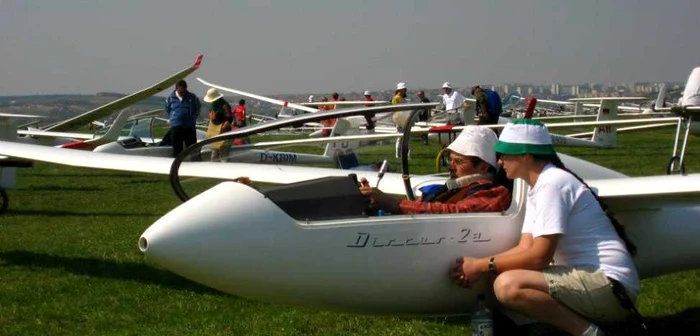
{"x":198,"y":61}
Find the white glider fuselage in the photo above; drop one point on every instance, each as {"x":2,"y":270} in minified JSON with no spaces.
{"x":390,"y":264}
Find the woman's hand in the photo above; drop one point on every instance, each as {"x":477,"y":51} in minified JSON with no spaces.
{"x":466,"y":271}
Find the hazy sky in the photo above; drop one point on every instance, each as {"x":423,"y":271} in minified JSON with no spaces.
{"x":287,"y":46}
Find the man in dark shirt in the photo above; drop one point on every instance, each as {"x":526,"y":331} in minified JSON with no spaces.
{"x":482,"y":107}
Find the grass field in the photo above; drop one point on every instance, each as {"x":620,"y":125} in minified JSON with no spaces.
{"x":69,"y":263}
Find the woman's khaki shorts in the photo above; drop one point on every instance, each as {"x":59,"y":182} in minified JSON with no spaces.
{"x":586,"y":291}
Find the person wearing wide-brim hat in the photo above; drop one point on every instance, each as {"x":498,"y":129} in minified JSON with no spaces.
{"x":573,"y":259}
{"x":220,"y":119}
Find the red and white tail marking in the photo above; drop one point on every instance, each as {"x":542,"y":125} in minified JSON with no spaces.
{"x":531,"y":104}
{"x":198,"y":61}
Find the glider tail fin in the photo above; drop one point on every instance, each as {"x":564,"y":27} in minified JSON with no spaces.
{"x":113,"y":131}
{"x":606,"y":135}
{"x":333,"y":149}
{"x":661,"y":98}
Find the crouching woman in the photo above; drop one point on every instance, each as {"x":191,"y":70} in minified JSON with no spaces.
{"x":572,"y":268}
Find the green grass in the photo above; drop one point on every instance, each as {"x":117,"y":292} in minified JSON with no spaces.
{"x":69,"y":263}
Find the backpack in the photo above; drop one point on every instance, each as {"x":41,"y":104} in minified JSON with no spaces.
{"x":495,"y":107}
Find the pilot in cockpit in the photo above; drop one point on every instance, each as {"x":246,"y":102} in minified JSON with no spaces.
{"x":472,"y":186}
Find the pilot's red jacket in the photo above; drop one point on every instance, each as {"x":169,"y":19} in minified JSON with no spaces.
{"x":494,"y":199}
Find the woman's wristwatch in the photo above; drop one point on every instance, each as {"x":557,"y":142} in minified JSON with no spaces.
{"x":492,"y":266}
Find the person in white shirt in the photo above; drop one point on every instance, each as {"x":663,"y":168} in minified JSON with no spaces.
{"x":573,"y":266}
{"x":453,"y":102}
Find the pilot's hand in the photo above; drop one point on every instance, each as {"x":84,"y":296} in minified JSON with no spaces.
{"x":364,"y":182}
{"x":244,"y":180}
{"x":365,"y":189}
{"x":378,"y":199}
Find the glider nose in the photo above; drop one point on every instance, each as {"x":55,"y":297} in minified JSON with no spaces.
{"x":143,"y":244}
{"x":206,"y":235}
{"x":183,"y":233}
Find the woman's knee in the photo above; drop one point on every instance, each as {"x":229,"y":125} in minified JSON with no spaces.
{"x":510,"y":285}
{"x":506,"y":287}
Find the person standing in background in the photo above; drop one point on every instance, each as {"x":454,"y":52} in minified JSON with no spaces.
{"x":183,"y":109}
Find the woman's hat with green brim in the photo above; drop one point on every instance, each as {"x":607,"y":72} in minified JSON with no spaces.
{"x":525,"y":136}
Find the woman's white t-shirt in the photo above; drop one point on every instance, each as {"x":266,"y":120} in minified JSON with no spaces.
{"x":560,"y":204}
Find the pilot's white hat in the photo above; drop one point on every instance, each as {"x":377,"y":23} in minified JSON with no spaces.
{"x":447,"y":85}
{"x":212,"y":95}
{"x":367,"y":93}
{"x":476,"y":141}
{"x":401,"y":86}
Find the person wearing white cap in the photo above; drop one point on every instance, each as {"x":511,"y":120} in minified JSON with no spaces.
{"x":453,"y":102}
{"x":311,"y":98}
{"x":573,"y":266}
{"x":368,"y":97}
{"x":220,"y":121}
{"x":471,"y":187}
{"x":400,"y":118}
{"x":369,"y":117}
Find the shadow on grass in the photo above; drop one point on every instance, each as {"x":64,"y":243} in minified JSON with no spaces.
{"x":60,"y":188}
{"x":143,"y":181}
{"x":59,"y":213}
{"x":77,"y":175}
{"x":104,"y":269}
{"x":686,"y":322}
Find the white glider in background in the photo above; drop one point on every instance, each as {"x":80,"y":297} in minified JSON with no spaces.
{"x":123,"y":102}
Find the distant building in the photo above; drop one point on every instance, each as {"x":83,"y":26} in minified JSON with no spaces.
{"x":506,"y":89}
{"x":555,"y":89}
{"x":575,"y":90}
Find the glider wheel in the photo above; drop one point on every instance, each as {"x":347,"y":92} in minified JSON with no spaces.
{"x":677,"y":167}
